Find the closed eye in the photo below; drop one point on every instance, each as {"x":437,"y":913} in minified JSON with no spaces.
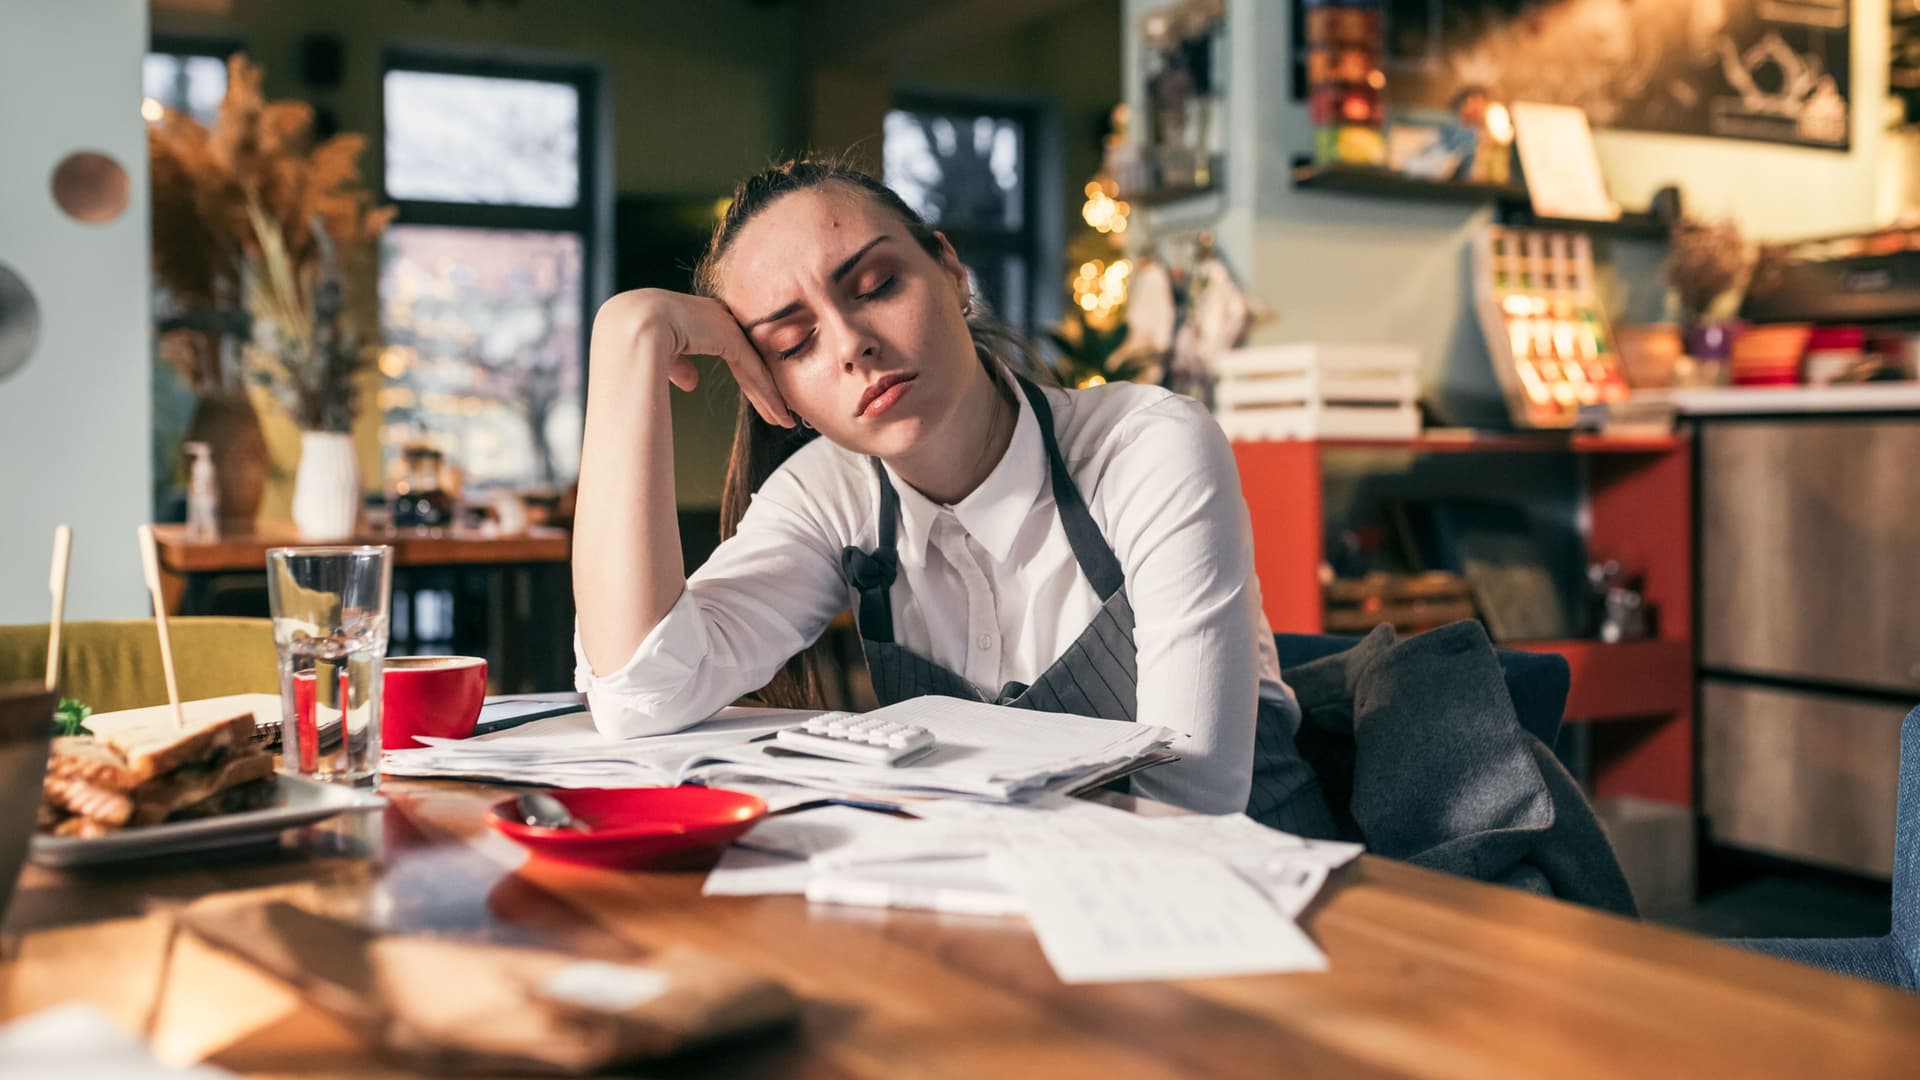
{"x":880,"y":290}
{"x":788,"y":354}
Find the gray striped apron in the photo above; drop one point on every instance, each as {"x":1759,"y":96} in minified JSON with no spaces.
{"x":1097,"y":675}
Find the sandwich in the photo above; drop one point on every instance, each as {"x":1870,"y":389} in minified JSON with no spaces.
{"x":150,"y":772}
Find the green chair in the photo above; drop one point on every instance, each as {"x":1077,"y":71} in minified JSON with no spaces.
{"x":116,"y":664}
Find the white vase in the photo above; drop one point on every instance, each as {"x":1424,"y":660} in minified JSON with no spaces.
{"x":326,"y":488}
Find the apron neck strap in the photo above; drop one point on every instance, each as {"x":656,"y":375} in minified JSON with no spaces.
{"x":1090,"y":547}
{"x":873,"y":574}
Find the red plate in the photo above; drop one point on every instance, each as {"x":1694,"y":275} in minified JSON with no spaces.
{"x":637,"y":828}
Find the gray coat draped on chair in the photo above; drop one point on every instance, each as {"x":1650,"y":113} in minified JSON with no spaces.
{"x":1421,"y":757}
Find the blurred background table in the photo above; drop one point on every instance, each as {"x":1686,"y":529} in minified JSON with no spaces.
{"x":507,"y":598}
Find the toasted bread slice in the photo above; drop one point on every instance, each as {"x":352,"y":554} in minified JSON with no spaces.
{"x":175,"y":792}
{"x":157,"y":799}
{"x":131,"y":756}
{"x":251,"y":795}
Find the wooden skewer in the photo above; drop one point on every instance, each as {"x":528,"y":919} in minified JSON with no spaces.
{"x":57,"y":585}
{"x":150,"y":564}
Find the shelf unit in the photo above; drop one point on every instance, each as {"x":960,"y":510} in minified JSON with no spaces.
{"x":1637,"y":501}
{"x":1512,"y":202}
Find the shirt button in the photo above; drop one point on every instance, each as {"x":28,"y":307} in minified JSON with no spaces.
{"x":985,"y":642}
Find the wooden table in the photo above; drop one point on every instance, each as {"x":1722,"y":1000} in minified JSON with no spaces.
{"x":518,"y":586}
{"x":1431,"y":975}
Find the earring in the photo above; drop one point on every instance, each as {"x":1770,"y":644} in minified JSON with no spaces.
{"x":966,"y":310}
{"x":802,"y":421}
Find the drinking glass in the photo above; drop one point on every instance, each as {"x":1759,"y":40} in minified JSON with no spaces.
{"x":329,"y":609}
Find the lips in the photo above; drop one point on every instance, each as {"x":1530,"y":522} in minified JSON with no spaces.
{"x":878,"y":391}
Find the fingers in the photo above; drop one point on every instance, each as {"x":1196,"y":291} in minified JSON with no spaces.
{"x":665,"y":326}
{"x":683,"y":374}
{"x":719,"y":335}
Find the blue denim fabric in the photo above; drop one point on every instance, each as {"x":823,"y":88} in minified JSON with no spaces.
{"x":1894,"y":959}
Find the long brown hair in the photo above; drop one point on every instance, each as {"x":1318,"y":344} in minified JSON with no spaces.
{"x":759,"y":447}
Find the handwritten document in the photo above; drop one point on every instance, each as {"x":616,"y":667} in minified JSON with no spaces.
{"x":1113,"y":915}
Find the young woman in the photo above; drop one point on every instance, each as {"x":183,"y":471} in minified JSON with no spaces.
{"x":1075,"y":551}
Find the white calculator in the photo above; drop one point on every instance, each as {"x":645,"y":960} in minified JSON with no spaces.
{"x":851,"y":737}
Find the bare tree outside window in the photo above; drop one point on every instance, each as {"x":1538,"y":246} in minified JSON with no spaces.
{"x":473,"y":139}
{"x":483,"y":336}
{"x":965,"y":171}
{"x":484,"y":277}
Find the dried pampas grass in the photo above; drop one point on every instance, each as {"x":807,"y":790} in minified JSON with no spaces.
{"x":252,"y":188}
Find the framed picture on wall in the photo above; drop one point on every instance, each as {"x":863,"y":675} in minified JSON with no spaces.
{"x":1768,"y":70}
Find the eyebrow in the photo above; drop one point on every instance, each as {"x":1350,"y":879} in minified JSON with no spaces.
{"x":841,"y":271}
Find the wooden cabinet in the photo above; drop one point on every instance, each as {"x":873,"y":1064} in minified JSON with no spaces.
{"x":1800,"y":775}
{"x":1810,"y":550}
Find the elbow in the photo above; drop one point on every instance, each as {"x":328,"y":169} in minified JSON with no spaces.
{"x":621,"y":716}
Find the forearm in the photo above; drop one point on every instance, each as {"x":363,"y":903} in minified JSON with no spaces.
{"x":627,"y":564}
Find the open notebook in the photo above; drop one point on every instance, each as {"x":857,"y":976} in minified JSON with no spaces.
{"x":984,"y":752}
{"x":981,"y":751}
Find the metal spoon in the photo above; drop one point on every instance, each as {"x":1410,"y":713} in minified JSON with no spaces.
{"x":541,"y":810}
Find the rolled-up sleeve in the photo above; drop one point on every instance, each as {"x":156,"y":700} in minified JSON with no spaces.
{"x":765,"y":594}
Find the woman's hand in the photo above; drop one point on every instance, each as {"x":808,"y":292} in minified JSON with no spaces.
{"x":659,"y":327}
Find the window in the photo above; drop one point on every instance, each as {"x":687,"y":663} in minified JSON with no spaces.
{"x":969,"y":171}
{"x":484,"y":275}
{"x":185,"y":75}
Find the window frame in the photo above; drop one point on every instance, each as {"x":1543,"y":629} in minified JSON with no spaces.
{"x":585,"y":219}
{"x":191,"y":45}
{"x":1039,"y":240}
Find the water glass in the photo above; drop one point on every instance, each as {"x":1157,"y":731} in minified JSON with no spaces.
{"x":330,"y":609}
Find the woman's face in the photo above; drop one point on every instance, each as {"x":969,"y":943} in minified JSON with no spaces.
{"x":864,"y":332}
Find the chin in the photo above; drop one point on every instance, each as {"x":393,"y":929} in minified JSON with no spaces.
{"x":890,"y":440}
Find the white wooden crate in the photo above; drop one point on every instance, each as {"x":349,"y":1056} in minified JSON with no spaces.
{"x":1322,"y":422}
{"x":1318,"y":391}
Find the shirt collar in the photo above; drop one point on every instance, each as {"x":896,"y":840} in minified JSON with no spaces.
{"x":996,"y":510}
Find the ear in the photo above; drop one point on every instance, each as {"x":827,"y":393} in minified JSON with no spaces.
{"x":955,"y":269}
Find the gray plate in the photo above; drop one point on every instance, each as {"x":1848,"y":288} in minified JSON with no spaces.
{"x":298,"y":802}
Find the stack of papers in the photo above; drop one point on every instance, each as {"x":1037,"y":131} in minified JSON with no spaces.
{"x":1111,"y":895}
{"x":985,"y":752}
{"x":981,"y":751}
{"x":566,"y":751}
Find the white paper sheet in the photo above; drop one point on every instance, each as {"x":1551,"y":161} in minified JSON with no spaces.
{"x":745,"y":872}
{"x":567,"y":751}
{"x":982,"y":751}
{"x":1112,"y":916}
{"x":807,"y":833}
{"x":966,"y":886}
{"x":771,"y":859}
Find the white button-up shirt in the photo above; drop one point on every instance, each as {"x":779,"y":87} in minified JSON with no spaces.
{"x":988,"y":587}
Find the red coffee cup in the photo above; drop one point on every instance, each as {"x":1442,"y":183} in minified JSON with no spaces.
{"x":437,"y":696}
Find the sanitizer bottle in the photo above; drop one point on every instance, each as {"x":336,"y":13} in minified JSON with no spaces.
{"x":203,"y":495}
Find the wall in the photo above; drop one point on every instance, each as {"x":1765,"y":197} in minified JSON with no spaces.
{"x":1070,"y":58}
{"x":698,"y":94}
{"x":1335,"y":267}
{"x":74,"y":422}
{"x":688,"y":110}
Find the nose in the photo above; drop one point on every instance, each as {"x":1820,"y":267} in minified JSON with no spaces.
{"x":855,"y":346}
